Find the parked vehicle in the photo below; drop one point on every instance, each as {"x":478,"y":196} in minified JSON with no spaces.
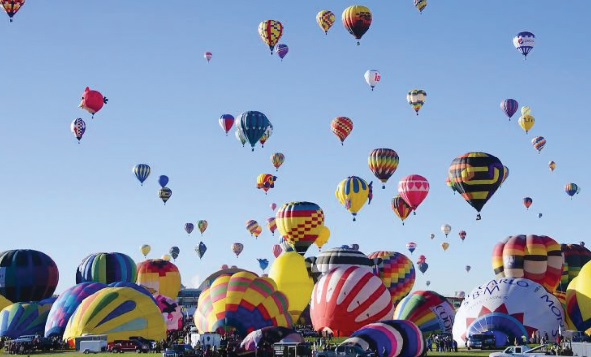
{"x":87,"y":347}
{"x":120,"y":346}
{"x":525,"y":351}
{"x":345,"y":351}
{"x":179,"y":350}
{"x":482,"y":341}
{"x":292,"y":349}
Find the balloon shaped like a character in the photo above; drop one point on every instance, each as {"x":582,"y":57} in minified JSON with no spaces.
{"x":92,"y":101}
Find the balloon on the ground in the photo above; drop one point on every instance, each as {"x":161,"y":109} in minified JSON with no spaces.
{"x":270,"y":32}
{"x":524,"y":42}
{"x":300,"y":223}
{"x":241,"y":302}
{"x":291,"y":276}
{"x":141,"y":172}
{"x":24,"y":318}
{"x":4,"y":302}
{"x":357,"y":20}
{"x":575,"y":257}
{"x":383,"y":163}
{"x":159,"y":277}
{"x":509,"y":309}
{"x":348,"y":298}
{"x":106,"y":268}
{"x":342,"y":127}
{"x":134,"y":286}
{"x":396,"y":271}
{"x":117,"y":313}
{"x":65,"y":306}
{"x":269,"y":336}
{"x":92,"y":101}
{"x":27,"y":275}
{"x":578,"y":296}
{"x":343,"y":258}
{"x":353,"y":192}
{"x":534,"y":257}
{"x":477,"y":176}
{"x":431,"y":312}
{"x":390,"y":338}
{"x":325,"y":19}
{"x":416,"y":98}
{"x":171,"y":311}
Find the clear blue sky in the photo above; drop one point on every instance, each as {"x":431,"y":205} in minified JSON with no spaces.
{"x":70,"y":200}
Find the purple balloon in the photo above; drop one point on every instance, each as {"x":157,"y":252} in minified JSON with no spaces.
{"x":281,"y":50}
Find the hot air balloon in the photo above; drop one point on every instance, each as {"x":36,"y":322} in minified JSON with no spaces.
{"x":200,"y":250}
{"x":421,"y":5}
{"x":416,"y":98}
{"x":267,"y":336}
{"x":468,"y":268}
{"x":202,"y":225}
{"x":237,"y":248}
{"x":166,"y":257}
{"x":552,"y":165}
{"x":159,"y":276}
{"x":539,"y":215}
{"x":446,"y":228}
{"x":226,"y":122}
{"x":141,"y":171}
{"x":27,"y":275}
{"x":353,"y":192}
{"x":342,"y":127}
{"x":174,"y":252}
{"x":106,"y":268}
{"x":300,"y":223}
{"x":277,"y":159}
{"x":207,"y":56}
{"x":527,"y":201}
{"x":383,"y":163}
{"x":413,"y":189}
{"x":576,"y":300}
{"x":538,"y":142}
{"x":401,"y":208}
{"x":252,"y":226}
{"x":277,"y":250}
{"x":163,"y":180}
{"x":505,"y":174}
{"x":281,"y":49}
{"x":270,"y":32}
{"x":411,"y":246}
{"x":524,"y":42}
{"x":78,"y":127}
{"x":445,"y":245}
{"x":389,"y":338}
{"x":25,"y":318}
{"x":273,"y":206}
{"x":422,"y":264}
{"x":323,"y":237}
{"x":462,"y":235}
{"x":266,"y":135}
{"x":92,"y":101}
{"x":263,"y":264}
{"x":526,"y":122}
{"x":240,"y":136}
{"x":13,"y":6}
{"x":534,"y":257}
{"x":253,"y":125}
{"x":431,"y":312}
{"x":396,"y":271}
{"x":189,"y":227}
{"x":372,"y":77}
{"x":325,"y":19}
{"x":165,"y":193}
{"x":575,"y":257}
{"x":145,"y":249}
{"x":477,"y":175}
{"x":571,"y":189}
{"x":171,"y":311}
{"x":432,"y":235}
{"x":509,"y":107}
{"x":266,"y":182}
{"x":341,"y":257}
{"x":272,"y":225}
{"x":357,"y":20}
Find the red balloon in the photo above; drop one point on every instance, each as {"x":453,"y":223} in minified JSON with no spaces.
{"x":92,"y":101}
{"x":413,"y":189}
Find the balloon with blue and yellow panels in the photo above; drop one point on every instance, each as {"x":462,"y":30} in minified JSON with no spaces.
{"x":353,"y":192}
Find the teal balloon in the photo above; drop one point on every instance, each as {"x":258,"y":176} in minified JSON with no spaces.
{"x":253,"y":125}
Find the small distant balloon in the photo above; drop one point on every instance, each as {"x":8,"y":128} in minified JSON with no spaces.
{"x":226,"y":121}
{"x":325,"y":19}
{"x":432,"y":235}
{"x":273,"y":206}
{"x":141,"y":171}
{"x":145,"y":249}
{"x":207,"y":56}
{"x":163,"y":180}
{"x":165,"y":193}
{"x":372,"y":77}
{"x":78,"y":127}
{"x":524,"y":42}
{"x":202,"y":225}
{"x":509,"y":107}
{"x":446,"y":228}
{"x":527,"y":201}
{"x":538,"y":142}
{"x":552,"y":165}
{"x":189,"y":227}
{"x":539,"y":215}
{"x":281,"y":49}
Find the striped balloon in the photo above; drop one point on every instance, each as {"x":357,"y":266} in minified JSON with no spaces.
{"x":396,"y":271}
{"x":271,"y":224}
{"x":390,"y":338}
{"x":277,"y":159}
{"x":27,"y":275}
{"x":300,"y":223}
{"x":353,"y":192}
{"x":401,"y":208}
{"x":538,"y":258}
{"x":430,"y":311}
{"x":416,"y":98}
{"x":342,"y":127}
{"x":346,"y":299}
{"x":509,"y":106}
{"x":106,"y":268}
{"x":270,"y":32}
{"x":343,"y":258}
{"x":575,"y":257}
{"x":141,"y":172}
{"x":538,"y":142}
{"x":383,"y":163}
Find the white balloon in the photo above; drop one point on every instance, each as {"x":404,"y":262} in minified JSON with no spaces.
{"x":372,"y":77}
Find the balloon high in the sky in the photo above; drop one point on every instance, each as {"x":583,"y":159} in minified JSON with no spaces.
{"x":207,"y":56}
{"x":538,"y":142}
{"x":416,"y":98}
{"x":300,"y":223}
{"x":383,"y":163}
{"x":411,"y":246}
{"x":189,"y":227}
{"x":145,"y":250}
{"x":253,"y":227}
{"x":200,"y":249}
{"x":524,"y":42}
{"x":325,"y":20}
{"x":571,"y":189}
{"x":357,"y":20}
{"x":353,"y":192}
{"x":141,"y":172}
{"x":462,"y":235}
{"x":477,"y":176}
{"x":165,"y":193}
{"x":270,"y":32}
{"x":266,"y":182}
{"x":413,"y":189}
{"x":78,"y":127}
{"x":174,"y":252}
{"x":202,"y":225}
{"x":92,"y":101}
{"x":226,"y":122}
{"x":342,"y":127}
{"x":527,"y":201}
{"x":277,"y":159}
{"x":421,"y":5}
{"x":281,"y":49}
{"x":13,"y":6}
{"x":237,"y":248}
{"x":446,"y":228}
{"x":372,"y":77}
{"x":552,"y":165}
{"x":266,"y":135}
{"x":509,"y":107}
{"x":163,"y":180}
{"x":240,"y":137}
{"x":401,"y":208}
{"x":253,"y":125}
{"x":526,"y":120}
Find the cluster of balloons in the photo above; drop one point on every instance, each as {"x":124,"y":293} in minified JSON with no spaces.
{"x":142,"y":171}
{"x":92,"y":102}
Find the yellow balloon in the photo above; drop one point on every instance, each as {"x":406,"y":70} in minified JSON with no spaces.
{"x":325,"y":19}
{"x":291,"y":276}
{"x":323,"y":237}
{"x":4,"y":302}
{"x":353,"y":192}
{"x":166,"y":257}
{"x":145,"y":249}
{"x":525,"y":110}
{"x":444,"y":245}
{"x":526,"y":122}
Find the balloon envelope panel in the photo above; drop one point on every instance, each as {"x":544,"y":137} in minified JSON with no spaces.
{"x":106,"y":268}
{"x":28,"y":275}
